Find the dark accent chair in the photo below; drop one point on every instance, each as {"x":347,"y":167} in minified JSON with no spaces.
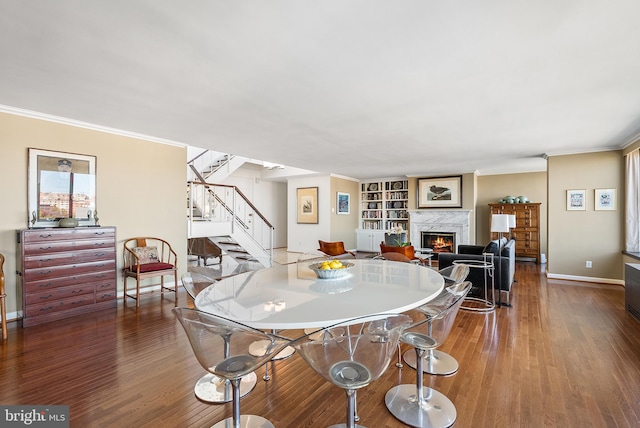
{"x":504,"y":267}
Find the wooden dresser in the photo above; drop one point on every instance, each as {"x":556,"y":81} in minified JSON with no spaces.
{"x":527,"y":230}
{"x":66,"y":272}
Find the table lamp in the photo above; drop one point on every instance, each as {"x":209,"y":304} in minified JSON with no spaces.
{"x":500,"y":224}
{"x":512,"y":223}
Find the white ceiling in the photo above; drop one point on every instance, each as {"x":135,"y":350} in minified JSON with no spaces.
{"x":362,"y":88}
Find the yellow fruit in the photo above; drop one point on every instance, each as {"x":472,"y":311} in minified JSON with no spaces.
{"x":335,"y":264}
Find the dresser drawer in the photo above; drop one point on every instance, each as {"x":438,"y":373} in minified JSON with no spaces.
{"x":77,"y":234}
{"x":59,"y":305}
{"x":37,"y":248}
{"x":59,"y":293}
{"x":93,"y":277}
{"x":105,"y":293}
{"x":67,"y":270}
{"x":68,"y":258}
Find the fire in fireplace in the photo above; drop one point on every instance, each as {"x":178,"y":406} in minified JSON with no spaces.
{"x":440,"y":242}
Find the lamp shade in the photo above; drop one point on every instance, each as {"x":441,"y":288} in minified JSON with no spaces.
{"x":512,"y":221}
{"x":499,"y":222}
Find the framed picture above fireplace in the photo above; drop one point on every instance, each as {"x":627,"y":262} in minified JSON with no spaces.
{"x":440,"y":192}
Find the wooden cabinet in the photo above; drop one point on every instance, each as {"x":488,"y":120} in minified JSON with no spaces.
{"x":66,"y":272}
{"x":527,"y":230}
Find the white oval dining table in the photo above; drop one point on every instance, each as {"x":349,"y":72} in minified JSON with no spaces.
{"x":292,"y":297}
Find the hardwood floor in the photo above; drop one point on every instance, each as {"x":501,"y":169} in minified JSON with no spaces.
{"x":566,"y":354}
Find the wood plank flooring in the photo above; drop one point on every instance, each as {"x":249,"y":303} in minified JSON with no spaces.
{"x":566,"y":354}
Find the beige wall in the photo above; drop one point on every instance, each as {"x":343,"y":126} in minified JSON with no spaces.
{"x":139,"y":185}
{"x":491,"y":188}
{"x":578,"y":236}
{"x":343,"y":226}
{"x":331,"y":226}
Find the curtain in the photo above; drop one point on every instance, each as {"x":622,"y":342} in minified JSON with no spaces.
{"x":632,"y":215}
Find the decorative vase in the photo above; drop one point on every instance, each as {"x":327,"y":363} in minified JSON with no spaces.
{"x":68,"y":222}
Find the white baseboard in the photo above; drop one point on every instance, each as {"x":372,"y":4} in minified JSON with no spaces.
{"x":586,"y":279}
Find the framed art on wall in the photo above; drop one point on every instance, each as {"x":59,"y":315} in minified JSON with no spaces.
{"x":343,"y":203}
{"x":605,"y":199}
{"x":60,"y":186}
{"x":440,"y":192}
{"x":576,"y":200}
{"x":307,"y":203}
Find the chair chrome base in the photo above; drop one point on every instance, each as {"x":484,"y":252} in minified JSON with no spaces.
{"x":246,"y":421}
{"x":437,"y":411}
{"x":346,"y":426}
{"x":439,"y":363}
{"x":211,"y":388}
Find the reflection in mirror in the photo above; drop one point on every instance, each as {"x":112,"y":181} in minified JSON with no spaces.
{"x":61,"y":185}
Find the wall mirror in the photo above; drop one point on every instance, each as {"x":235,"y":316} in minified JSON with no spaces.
{"x":61,"y":185}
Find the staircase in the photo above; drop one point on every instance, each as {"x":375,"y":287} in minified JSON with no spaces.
{"x":224,"y":215}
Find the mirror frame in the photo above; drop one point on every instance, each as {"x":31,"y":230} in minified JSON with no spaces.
{"x":44,"y":160}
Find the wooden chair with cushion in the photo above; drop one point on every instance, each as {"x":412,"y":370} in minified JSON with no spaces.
{"x":335,"y":249}
{"x":3,"y":307}
{"x":148,"y":257}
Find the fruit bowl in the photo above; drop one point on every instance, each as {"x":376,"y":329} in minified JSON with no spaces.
{"x":330,"y":273}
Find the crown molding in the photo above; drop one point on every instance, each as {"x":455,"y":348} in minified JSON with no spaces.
{"x":85,"y":125}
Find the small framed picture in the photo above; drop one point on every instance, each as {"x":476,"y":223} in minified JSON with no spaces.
{"x":307,"y":205}
{"x":605,"y":199}
{"x":576,"y":200}
{"x":343,"y":203}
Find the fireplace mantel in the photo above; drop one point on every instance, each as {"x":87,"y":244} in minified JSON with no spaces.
{"x":454,"y":221}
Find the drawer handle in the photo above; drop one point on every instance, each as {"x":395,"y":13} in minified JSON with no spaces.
{"x":45,"y":272}
{"x":79,"y":302}
{"x":99,"y":244}
{"x":99,"y":276}
{"x":46,"y":248}
{"x":46,"y":260}
{"x":100,"y":233}
{"x":99,"y":254}
{"x":48,"y":235}
{"x":46,"y":297}
{"x":76,"y":291}
{"x":48,"y":308}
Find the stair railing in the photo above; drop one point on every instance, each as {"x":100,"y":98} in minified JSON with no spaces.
{"x":221,"y":203}
{"x":206,"y":163}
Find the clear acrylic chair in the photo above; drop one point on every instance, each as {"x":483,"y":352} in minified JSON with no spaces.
{"x":417,"y":405}
{"x":354,"y":357}
{"x":222,"y":348}
{"x":437,"y":362}
{"x":211,"y":388}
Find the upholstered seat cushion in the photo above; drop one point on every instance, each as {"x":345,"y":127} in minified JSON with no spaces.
{"x":152,"y":267}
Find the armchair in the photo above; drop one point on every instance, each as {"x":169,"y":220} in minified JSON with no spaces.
{"x":335,"y":249}
{"x":505,"y":266}
{"x":147,"y":257}
{"x":408,"y":251}
{"x":3,"y":308}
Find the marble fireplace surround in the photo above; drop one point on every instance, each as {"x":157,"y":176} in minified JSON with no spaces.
{"x":452,"y":221}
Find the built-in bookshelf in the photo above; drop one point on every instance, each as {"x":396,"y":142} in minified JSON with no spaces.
{"x":384,"y":205}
